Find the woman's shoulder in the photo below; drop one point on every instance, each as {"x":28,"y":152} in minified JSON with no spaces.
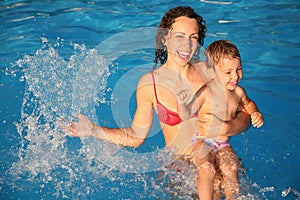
{"x":201,"y":69}
{"x":199,"y":64}
{"x":153,"y":76}
{"x":146,"y":78}
{"x":145,"y":87}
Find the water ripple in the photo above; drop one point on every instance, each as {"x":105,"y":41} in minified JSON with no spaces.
{"x":217,"y":2}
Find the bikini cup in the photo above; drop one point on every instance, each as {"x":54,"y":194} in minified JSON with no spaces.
{"x":165,"y":115}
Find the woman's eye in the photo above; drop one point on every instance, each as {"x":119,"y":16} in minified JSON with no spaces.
{"x":179,"y":36}
{"x":195,"y":38}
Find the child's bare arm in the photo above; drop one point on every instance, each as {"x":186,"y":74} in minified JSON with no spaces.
{"x":189,"y":103}
{"x":250,"y":106}
{"x":183,"y":104}
{"x":257,"y":119}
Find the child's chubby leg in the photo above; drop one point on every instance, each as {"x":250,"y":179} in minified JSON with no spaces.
{"x":204,"y":159}
{"x":228,"y":164}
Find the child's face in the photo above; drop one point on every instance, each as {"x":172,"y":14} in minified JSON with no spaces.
{"x":229,"y":72}
{"x":182,"y":41}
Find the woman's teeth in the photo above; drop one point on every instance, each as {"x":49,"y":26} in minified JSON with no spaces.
{"x":183,"y":54}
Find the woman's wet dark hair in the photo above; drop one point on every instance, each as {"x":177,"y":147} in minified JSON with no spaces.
{"x":166,"y":24}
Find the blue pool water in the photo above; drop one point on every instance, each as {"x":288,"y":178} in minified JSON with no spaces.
{"x":58,"y":58}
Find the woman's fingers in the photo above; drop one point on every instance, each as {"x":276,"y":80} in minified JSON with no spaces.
{"x":63,"y":125}
{"x":73,"y":130}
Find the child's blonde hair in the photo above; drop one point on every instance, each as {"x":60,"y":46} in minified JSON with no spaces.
{"x":220,"y":49}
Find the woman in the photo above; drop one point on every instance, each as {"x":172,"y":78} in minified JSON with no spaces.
{"x":180,"y":34}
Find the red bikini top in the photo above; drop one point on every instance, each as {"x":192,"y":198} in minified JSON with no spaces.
{"x":165,"y":115}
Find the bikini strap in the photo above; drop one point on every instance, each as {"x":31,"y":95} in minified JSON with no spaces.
{"x":154,"y":86}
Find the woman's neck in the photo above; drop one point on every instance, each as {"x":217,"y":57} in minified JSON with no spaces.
{"x":180,"y":69}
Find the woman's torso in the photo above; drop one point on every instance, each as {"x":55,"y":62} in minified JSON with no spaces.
{"x":165,"y":87}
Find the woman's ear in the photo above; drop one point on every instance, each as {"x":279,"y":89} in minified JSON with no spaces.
{"x":164,"y":40}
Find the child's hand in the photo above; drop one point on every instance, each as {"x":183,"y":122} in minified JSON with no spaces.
{"x":257,"y":119}
{"x":183,"y":97}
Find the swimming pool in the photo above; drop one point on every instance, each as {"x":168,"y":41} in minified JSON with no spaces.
{"x":59,"y":58}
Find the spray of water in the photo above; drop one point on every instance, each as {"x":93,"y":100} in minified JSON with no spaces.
{"x":44,"y":158}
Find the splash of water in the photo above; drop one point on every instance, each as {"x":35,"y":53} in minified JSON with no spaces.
{"x":290,"y":190}
{"x":56,"y":88}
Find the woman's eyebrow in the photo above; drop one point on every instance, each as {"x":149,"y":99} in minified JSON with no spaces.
{"x":185,"y":33}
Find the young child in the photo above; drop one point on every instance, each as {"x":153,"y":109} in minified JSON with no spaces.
{"x":223,"y":98}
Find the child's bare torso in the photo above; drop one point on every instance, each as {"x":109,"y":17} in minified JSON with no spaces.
{"x":221,"y":103}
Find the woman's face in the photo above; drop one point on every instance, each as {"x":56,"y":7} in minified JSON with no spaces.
{"x":182,"y":40}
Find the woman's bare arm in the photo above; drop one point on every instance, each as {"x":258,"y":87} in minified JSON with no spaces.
{"x":237,"y":125}
{"x":132,"y":136}
{"x":215,"y":127}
